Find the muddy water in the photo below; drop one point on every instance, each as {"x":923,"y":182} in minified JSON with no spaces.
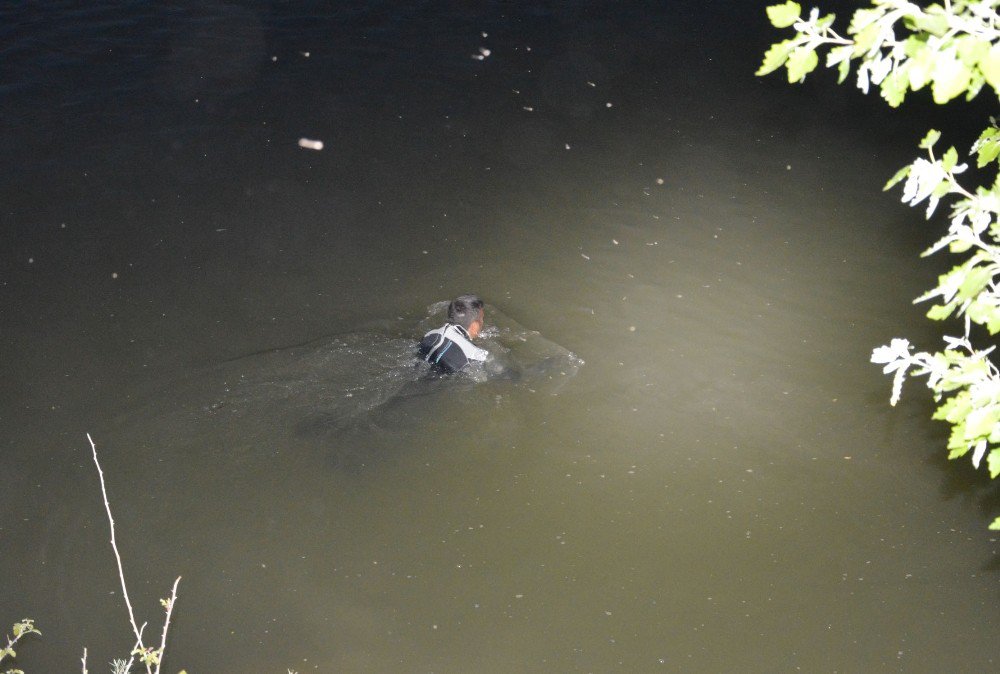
{"x":721,"y":486}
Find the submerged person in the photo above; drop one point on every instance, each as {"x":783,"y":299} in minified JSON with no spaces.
{"x":450,"y":348}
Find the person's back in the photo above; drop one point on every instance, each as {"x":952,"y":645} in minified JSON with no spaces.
{"x":450,"y":348}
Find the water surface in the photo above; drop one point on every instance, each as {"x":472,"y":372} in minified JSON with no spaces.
{"x":721,"y":487}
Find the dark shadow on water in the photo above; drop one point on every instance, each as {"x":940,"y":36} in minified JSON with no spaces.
{"x":972,"y":486}
{"x":960,"y":480}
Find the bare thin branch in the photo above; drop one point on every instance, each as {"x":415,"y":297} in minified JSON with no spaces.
{"x":114,"y":546}
{"x":131,"y":656}
{"x":166,"y":624}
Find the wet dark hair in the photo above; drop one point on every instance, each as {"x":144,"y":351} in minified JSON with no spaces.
{"x":465,"y":310}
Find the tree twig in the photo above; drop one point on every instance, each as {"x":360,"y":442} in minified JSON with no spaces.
{"x":138,"y":644}
{"x":166,"y":623}
{"x":114,"y":545}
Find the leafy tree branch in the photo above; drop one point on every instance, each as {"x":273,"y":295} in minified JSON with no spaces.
{"x":20,"y":629}
{"x":954,"y":48}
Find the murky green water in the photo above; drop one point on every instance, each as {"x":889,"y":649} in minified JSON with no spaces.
{"x":722,"y":486}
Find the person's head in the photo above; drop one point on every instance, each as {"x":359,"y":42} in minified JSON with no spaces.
{"x":468,"y":312}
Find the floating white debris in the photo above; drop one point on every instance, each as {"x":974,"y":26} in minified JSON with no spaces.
{"x":591,"y":83}
{"x":608,"y":104}
{"x":567,"y":146}
{"x":614,"y":241}
{"x":274,"y":59}
{"x":310,"y":144}
{"x":659,"y":181}
{"x":585,"y":257}
{"x":305,"y":54}
{"x":528,"y":108}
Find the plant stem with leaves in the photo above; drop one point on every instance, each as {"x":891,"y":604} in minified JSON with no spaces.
{"x":954,"y":48}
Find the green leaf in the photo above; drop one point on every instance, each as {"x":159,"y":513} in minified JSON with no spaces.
{"x":914,"y":44}
{"x":993,"y":323}
{"x":865,"y":40}
{"x":921,"y":64}
{"x":864,"y":18}
{"x":988,"y":151}
{"x":954,"y":409}
{"x":775,"y":57}
{"x":843,"y":70}
{"x":982,"y":424}
{"x":993,"y":463}
{"x":957,"y":446}
{"x":949,"y":159}
{"x":959,"y":246}
{"x":929,"y":140}
{"x":783,"y":16}
{"x":940,"y":312}
{"x":801,"y":62}
{"x":971,"y":49}
{"x":989,"y":133}
{"x":840,"y":57}
{"x":987,"y":146}
{"x":975,"y":85}
{"x":989,"y":66}
{"x":893,"y":87}
{"x":995,"y":525}
{"x":950,"y":77}
{"x":979,"y":311}
{"x":825,"y":22}
{"x":894,"y":180}
{"x":974,"y":283}
{"x":935,"y":24}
